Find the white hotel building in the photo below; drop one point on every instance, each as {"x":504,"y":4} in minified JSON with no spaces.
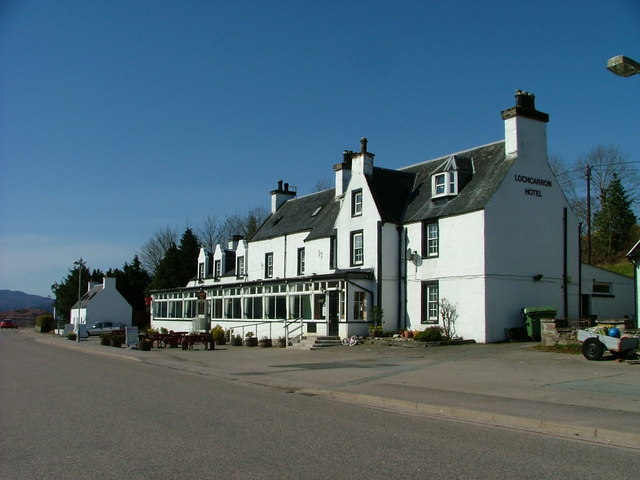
{"x":488,"y":229}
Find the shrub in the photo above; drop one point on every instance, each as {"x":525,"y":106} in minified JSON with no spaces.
{"x":105,"y":339}
{"x":117,"y":341}
{"x":218,"y":335}
{"x":44,"y":323}
{"x":71,"y":336}
{"x":236,"y":341}
{"x":432,"y":334}
{"x":145,"y":345}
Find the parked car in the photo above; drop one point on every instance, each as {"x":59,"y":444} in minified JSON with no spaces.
{"x":103,"y":327}
{"x":8,"y":323}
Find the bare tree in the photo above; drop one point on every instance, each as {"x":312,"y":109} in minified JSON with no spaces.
{"x":154,"y":249}
{"x":322,"y":184}
{"x":602,"y":163}
{"x":211,"y":233}
{"x":448,"y":315}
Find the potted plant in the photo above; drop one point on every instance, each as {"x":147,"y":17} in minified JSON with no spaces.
{"x":105,"y":339}
{"x":116,"y":341}
{"x":265,"y":342}
{"x":145,"y":344}
{"x":250,"y":340}
{"x":71,"y":336}
{"x":236,"y":341}
{"x":282,"y":342}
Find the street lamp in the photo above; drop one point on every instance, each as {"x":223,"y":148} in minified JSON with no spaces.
{"x":80,"y":264}
{"x":623,"y":66}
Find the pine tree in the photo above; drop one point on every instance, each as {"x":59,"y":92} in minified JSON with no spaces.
{"x":613,"y":222}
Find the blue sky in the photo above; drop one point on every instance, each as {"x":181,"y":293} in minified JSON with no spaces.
{"x":119,"y":118}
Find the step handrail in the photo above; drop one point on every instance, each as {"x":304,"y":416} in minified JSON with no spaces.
{"x":291,"y":327}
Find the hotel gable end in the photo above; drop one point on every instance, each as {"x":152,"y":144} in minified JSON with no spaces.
{"x":488,"y":228}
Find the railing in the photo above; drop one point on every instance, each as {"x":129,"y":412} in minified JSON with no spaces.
{"x":251,"y":327}
{"x":293,"y":329}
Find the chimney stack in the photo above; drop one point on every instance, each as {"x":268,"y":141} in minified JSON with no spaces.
{"x":280,"y":196}
{"x":343,"y":172}
{"x":525,"y":128}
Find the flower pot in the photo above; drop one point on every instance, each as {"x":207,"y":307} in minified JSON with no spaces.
{"x":251,"y":342}
{"x":265,"y":343}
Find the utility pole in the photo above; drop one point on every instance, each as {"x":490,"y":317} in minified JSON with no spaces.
{"x":589,"y":214}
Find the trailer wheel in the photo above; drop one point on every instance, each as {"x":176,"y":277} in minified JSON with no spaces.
{"x":592,"y":349}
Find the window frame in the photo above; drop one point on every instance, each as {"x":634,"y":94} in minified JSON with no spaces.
{"x":431,"y":244}
{"x":301,"y":261}
{"x":360,"y":305}
{"x":448,"y":186}
{"x":356,"y":203}
{"x":217,"y":268}
{"x":240,"y":268}
{"x":268,"y":265}
{"x":428,"y":304}
{"x":357,"y":254}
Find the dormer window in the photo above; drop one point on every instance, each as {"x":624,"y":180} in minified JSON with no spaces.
{"x":445,"y":184}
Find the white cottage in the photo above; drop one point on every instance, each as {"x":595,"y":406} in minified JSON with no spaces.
{"x":102,"y":303}
{"x":488,"y":229}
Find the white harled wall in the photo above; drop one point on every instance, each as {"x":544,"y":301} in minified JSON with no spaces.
{"x":458,"y":269}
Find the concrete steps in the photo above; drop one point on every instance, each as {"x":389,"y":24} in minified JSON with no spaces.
{"x":315,"y":342}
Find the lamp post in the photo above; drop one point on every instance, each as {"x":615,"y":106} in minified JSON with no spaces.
{"x":623,"y":66}
{"x":80,"y":264}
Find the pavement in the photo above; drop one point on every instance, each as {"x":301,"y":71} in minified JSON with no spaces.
{"x":509,"y":385}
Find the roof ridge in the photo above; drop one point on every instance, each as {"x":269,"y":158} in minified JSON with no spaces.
{"x":447,"y":155}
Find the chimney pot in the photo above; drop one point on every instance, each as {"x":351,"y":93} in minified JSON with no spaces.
{"x":363,"y":145}
{"x":280,"y":185}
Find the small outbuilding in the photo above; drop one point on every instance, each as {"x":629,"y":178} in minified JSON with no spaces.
{"x":102,"y":303}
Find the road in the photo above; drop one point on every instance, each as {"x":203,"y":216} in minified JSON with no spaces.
{"x":71,"y":415}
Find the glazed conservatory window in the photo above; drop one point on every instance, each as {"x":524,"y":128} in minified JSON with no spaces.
{"x":359,"y":305}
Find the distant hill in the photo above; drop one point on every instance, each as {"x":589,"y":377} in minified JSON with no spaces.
{"x":12,"y":300}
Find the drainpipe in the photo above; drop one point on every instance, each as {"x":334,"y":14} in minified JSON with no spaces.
{"x":402,"y":265}
{"x":379,"y":272}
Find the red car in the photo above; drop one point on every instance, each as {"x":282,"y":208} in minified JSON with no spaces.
{"x":8,"y":323}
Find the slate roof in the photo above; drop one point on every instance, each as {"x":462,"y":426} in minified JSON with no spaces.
{"x":296,"y":215}
{"x":88,"y":296}
{"x":401,"y":196}
{"x":490,"y":168}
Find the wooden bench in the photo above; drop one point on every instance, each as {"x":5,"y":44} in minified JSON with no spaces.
{"x":205,"y":338}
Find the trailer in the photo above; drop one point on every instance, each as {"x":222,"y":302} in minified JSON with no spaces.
{"x":595,"y":342}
